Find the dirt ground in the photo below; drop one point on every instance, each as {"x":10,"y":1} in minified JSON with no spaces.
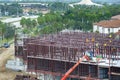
{"x":6,"y":54}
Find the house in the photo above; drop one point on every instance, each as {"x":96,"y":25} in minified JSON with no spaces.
{"x":107,"y":26}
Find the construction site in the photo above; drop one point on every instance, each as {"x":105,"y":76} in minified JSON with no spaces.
{"x":49,"y":57}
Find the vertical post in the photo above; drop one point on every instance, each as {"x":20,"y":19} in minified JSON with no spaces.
{"x":117,"y":52}
{"x":98,"y":71}
{"x":109,"y":62}
{"x":35,"y":65}
{"x":93,"y":40}
{"x":78,"y":70}
{"x":48,"y":51}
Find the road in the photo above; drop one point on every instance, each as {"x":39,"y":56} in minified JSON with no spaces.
{"x":16,"y":21}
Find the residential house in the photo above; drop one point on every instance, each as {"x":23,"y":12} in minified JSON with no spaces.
{"x":107,"y":26}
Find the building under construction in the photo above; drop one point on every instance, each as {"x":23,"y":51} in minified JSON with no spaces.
{"x":51,"y":56}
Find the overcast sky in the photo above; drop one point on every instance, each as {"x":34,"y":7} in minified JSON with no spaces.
{"x":68,"y":0}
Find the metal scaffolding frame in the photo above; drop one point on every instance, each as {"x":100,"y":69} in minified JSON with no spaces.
{"x":56,"y":53}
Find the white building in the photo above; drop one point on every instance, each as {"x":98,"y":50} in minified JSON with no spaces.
{"x":107,"y":26}
{"x":86,"y":2}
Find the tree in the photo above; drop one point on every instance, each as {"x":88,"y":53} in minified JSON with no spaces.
{"x":23,"y":22}
{"x":12,"y":9}
{"x":59,"y":6}
{"x":6,"y":31}
{"x":41,"y":20}
{"x":79,"y":17}
{"x":3,"y":30}
{"x":10,"y":31}
{"x":34,"y":23}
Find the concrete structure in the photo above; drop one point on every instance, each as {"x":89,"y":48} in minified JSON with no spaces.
{"x":86,"y":2}
{"x":16,"y":65}
{"x":107,"y":26}
{"x":51,"y":56}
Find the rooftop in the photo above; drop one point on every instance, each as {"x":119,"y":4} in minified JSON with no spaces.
{"x":109,"y":23}
{"x":86,"y":2}
{"x":116,"y":17}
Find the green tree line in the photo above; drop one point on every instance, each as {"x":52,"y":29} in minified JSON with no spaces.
{"x":12,"y":9}
{"x":29,"y":25}
{"x":6,"y":31}
{"x":79,"y":17}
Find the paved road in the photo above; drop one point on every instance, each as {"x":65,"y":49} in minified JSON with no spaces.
{"x":16,"y":21}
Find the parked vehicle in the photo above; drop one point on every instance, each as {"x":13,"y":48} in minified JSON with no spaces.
{"x":6,"y":45}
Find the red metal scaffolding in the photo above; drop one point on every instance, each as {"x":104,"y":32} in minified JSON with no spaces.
{"x":56,"y":53}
